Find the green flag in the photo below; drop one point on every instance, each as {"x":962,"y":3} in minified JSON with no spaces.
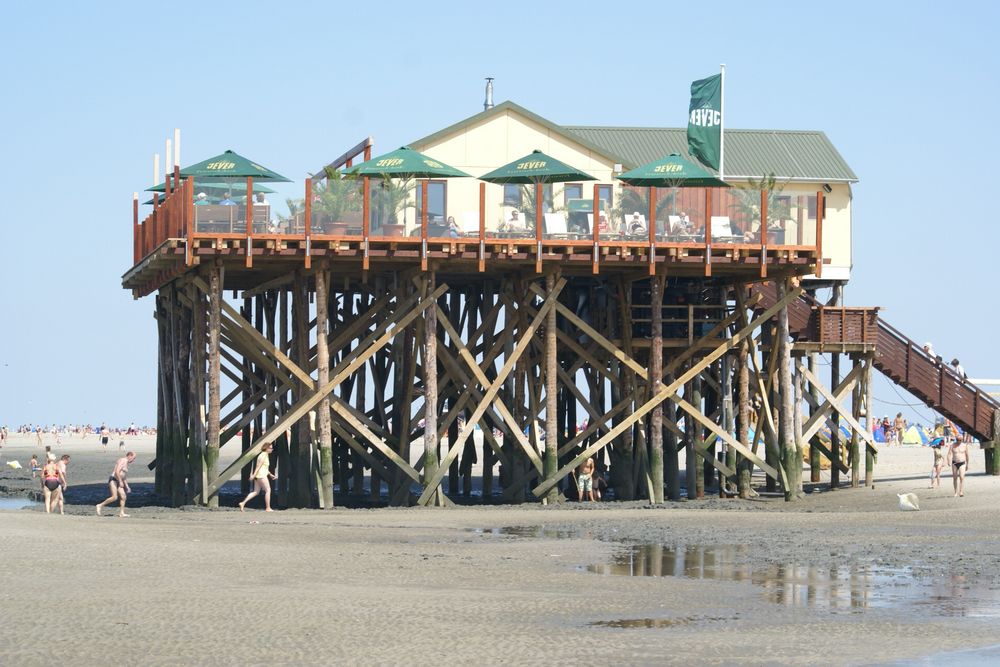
{"x":705,"y":121}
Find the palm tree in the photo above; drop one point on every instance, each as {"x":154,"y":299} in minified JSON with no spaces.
{"x":390,"y":197}
{"x":748,"y":198}
{"x":637,"y":199}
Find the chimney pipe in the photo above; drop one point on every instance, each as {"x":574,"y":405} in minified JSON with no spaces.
{"x":488,"y":104}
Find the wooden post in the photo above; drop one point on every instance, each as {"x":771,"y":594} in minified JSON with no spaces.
{"x":744,"y":467}
{"x":323,"y":376}
{"x":835,"y":439}
{"x":815,"y":457}
{"x":215,"y":284}
{"x":482,"y":226}
{"x":763,"y":233}
{"x":539,"y":221}
{"x":430,"y":378}
{"x":248,"y":214}
{"x":697,"y":434}
{"x":551,"y":392}
{"x":366,"y":223}
{"x":655,"y":378}
{"x":301,"y":447}
{"x":596,"y":230}
{"x":791,"y":457}
{"x":869,"y":416}
{"x":820,"y":205}
{"x":307,"y":222}
{"x":423,"y":225}
{"x":856,"y":413}
{"x":671,"y":470}
{"x":708,"y":232}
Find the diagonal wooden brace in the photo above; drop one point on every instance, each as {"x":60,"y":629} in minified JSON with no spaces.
{"x":491,"y":392}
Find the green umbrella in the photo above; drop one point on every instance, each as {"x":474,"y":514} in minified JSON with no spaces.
{"x":404,"y":163}
{"x":232,"y":165}
{"x":207,"y":185}
{"x":672,"y":171}
{"x":536,"y":168}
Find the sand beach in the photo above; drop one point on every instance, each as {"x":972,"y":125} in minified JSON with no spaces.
{"x":840,"y":578}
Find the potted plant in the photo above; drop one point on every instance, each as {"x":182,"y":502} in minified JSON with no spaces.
{"x":332,"y":199}
{"x":389,"y":198}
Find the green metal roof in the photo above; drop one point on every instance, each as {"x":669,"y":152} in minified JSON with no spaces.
{"x":789,"y":154}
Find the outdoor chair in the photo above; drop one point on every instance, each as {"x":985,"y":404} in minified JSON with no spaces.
{"x":555,"y":226}
{"x":722,"y":230}
{"x":470,"y":223}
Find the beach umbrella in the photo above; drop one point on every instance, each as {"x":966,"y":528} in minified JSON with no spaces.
{"x":404,"y":162}
{"x":536,"y":169}
{"x":230,"y":165}
{"x":672,"y":171}
{"x":208,"y":185}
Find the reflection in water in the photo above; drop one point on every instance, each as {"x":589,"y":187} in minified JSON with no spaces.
{"x":536,"y":531}
{"x":657,"y":622}
{"x":851,"y":587}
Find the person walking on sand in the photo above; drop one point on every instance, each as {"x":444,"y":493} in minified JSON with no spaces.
{"x":104,"y":437}
{"x":958,"y":457}
{"x":261,"y":476}
{"x":938,"y":451}
{"x":585,"y":480}
{"x":61,"y":464}
{"x":51,"y":481}
{"x":118,"y":485}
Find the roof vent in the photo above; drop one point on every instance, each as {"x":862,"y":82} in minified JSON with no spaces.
{"x":488,"y":104}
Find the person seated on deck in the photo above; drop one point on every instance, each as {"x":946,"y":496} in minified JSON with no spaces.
{"x":636,"y":225}
{"x":512,"y":224}
{"x":261,"y":200}
{"x":683,"y":224}
{"x":453,"y":230}
{"x":201,"y":199}
{"x":227,"y":200}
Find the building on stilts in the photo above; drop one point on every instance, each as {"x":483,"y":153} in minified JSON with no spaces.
{"x":403,"y":341}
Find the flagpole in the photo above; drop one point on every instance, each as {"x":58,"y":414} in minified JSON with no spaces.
{"x":722,"y":125}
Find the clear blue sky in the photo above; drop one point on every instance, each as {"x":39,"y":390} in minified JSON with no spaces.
{"x":907,"y":92}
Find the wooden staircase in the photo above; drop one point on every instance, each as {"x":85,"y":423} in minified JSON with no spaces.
{"x":897,"y":357}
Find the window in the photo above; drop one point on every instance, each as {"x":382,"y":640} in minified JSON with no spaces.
{"x":604,"y":193}
{"x":437,"y":200}
{"x":572,"y":191}
{"x":512,"y":195}
{"x":812,"y":207}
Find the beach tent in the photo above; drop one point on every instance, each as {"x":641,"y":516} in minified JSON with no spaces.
{"x":915,"y":436}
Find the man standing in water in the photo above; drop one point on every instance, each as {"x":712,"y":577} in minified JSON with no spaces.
{"x":118,"y":484}
{"x":958,"y":457}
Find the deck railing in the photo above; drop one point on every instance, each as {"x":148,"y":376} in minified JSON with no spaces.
{"x":705,"y":221}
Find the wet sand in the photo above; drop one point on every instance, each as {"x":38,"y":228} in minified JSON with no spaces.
{"x":840,"y":578}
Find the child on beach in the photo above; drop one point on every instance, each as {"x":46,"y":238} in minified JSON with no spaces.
{"x":35,"y":468}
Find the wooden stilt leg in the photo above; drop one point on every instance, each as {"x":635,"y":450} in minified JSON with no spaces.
{"x":214,"y":405}
{"x":323,"y":376}
{"x":655,"y":380}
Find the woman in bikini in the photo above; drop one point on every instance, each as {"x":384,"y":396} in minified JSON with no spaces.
{"x":261,"y":477}
{"x":958,"y":457}
{"x":52,"y":480}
